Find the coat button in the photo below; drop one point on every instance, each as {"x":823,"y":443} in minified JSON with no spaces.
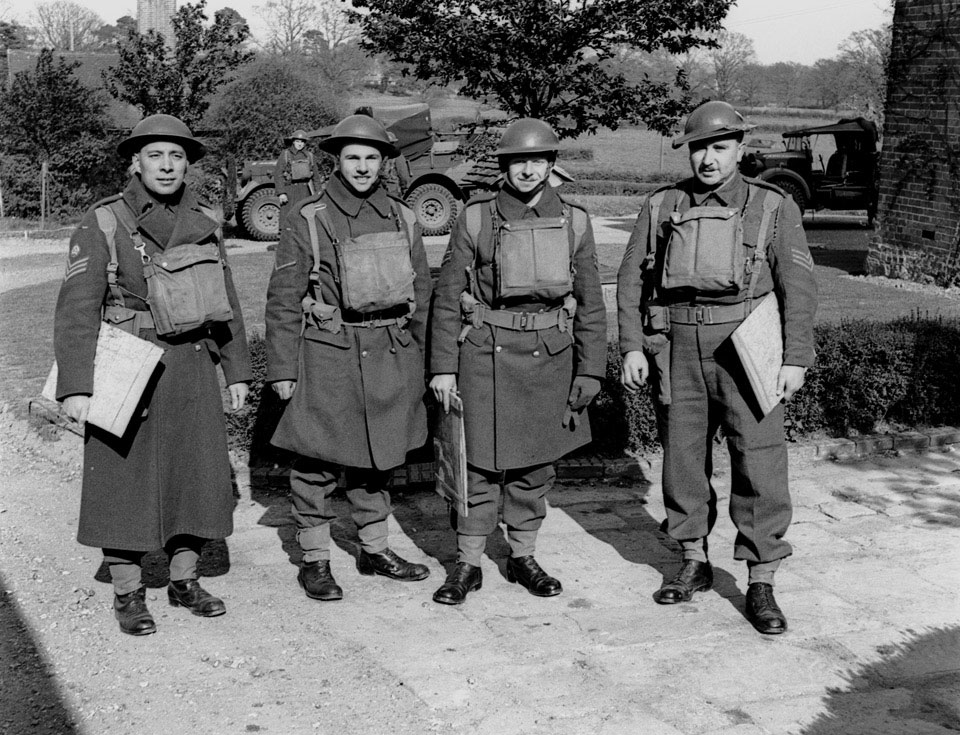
{"x":393,"y":350}
{"x":196,"y":348}
{"x":364,"y":353}
{"x":536,"y":353}
{"x":499,"y":348}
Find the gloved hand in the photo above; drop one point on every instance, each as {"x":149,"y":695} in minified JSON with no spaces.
{"x":582,"y":392}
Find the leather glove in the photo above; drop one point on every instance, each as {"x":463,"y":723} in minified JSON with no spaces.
{"x":582,"y":392}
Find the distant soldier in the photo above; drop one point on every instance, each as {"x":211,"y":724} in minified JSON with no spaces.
{"x":167,"y":482}
{"x":702,"y":253}
{"x":519,"y":331}
{"x":346,"y":319}
{"x":295,"y":174}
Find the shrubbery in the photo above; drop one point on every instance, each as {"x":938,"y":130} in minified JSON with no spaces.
{"x":869,"y":376}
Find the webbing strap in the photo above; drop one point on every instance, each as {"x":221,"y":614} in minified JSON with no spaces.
{"x":769,"y":204}
{"x":107,"y":221}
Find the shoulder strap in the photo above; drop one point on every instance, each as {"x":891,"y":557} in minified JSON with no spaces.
{"x":107,"y":221}
{"x":311,"y":212}
{"x":474,"y":221}
{"x":409,"y":220}
{"x":769,"y":204}
{"x":654,"y":202}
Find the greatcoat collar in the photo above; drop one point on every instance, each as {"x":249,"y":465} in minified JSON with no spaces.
{"x":350,"y":204}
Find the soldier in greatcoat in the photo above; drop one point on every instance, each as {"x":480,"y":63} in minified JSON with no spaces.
{"x":167,"y":482}
{"x":703,"y":253}
{"x":346,"y":317}
{"x":518,"y":331}
{"x":296,"y":175}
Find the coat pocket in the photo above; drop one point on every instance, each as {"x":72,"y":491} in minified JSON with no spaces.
{"x":339,"y":339}
{"x":556,"y":341}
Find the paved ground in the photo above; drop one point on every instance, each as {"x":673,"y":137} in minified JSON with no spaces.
{"x":871,"y":595}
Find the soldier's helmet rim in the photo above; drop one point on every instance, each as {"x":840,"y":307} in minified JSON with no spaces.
{"x":526,"y":136}
{"x":713,"y":119}
{"x":161,"y":127}
{"x":360,"y":129}
{"x":298,"y":134}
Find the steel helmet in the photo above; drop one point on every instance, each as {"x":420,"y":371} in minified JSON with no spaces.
{"x":162,"y":127}
{"x":359,"y":129}
{"x":527,"y":135}
{"x":298,"y":134}
{"x":712,"y":119}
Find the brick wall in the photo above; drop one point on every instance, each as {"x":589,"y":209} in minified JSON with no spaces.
{"x":918,"y":233}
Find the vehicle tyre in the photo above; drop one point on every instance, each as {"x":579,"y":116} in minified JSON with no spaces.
{"x":260,"y":215}
{"x":793,"y":189}
{"x":436,"y":208}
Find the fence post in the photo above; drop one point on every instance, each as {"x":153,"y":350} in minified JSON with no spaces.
{"x":43,"y":195}
{"x":661,"y":155}
{"x":1,"y":198}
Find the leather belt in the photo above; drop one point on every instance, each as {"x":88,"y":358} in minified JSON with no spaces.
{"x":522,"y":321}
{"x":717,"y":314}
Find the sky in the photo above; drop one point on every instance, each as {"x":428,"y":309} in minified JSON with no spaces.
{"x":800,"y":31}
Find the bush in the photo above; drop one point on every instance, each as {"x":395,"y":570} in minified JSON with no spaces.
{"x":868,"y":375}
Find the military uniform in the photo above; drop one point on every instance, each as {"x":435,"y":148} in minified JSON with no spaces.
{"x":359,"y":396}
{"x":169,"y":475}
{"x":295,"y":174}
{"x":707,"y":387}
{"x":514,"y":383}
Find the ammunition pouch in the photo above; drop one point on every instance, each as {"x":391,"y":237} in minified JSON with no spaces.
{"x":186,"y":288}
{"x":301,"y":169}
{"x":321,"y":315}
{"x":130,"y":321}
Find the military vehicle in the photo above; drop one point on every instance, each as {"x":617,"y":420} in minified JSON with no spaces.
{"x":441,"y":175}
{"x":845,"y":181}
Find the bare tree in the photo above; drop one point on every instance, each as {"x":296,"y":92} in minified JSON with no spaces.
{"x":867,"y":54}
{"x":66,"y":26}
{"x":287,"y":23}
{"x":727,"y":61}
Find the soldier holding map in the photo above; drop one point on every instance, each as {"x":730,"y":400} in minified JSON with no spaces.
{"x":703,"y":251}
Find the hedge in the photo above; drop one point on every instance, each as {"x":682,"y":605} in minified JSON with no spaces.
{"x":868,"y":376}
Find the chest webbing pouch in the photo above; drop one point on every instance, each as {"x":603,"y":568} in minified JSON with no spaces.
{"x":301,"y":169}
{"x":186,"y":287}
{"x":375,"y":271}
{"x":705,"y":249}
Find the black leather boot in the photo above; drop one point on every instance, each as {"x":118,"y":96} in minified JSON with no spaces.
{"x":463,"y":579}
{"x":387,"y":564}
{"x":131,"y":611}
{"x":694,"y":576}
{"x":317,"y":581}
{"x":762,"y":609}
{"x":189,"y":594}
{"x":528,"y":573}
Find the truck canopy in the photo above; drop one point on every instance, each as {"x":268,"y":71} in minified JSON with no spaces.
{"x":856,"y":126}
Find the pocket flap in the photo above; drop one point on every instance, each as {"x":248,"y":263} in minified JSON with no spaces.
{"x":556,"y":341}
{"x":695,"y":213}
{"x":185,"y":256}
{"x":334,"y":339}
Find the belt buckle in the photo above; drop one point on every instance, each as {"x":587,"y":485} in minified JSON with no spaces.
{"x":524,"y":318}
{"x":698,"y":313}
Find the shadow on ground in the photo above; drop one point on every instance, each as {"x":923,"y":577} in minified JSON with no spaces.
{"x":29,"y":700}
{"x":913,"y":688}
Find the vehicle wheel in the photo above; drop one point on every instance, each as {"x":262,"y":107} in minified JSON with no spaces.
{"x":793,"y":189}
{"x":260,"y":215}
{"x":436,"y":208}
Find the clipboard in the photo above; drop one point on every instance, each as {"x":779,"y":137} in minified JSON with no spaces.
{"x":122,"y":368}
{"x":450,"y":449}
{"x":759,"y":344}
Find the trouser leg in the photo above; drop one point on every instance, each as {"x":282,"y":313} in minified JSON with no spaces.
{"x":762,"y":571}
{"x":370,"y":506}
{"x":525,"y":506}
{"x":312,"y":481}
{"x":687,"y":427}
{"x":183,"y":554}
{"x":760,"y":505}
{"x":483,"y":498}
{"x":125,"y":569}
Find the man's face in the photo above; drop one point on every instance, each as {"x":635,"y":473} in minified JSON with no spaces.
{"x":360,"y":165}
{"x":525,"y":173}
{"x":299,"y":145}
{"x":714,"y":161}
{"x":162,"y":166}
